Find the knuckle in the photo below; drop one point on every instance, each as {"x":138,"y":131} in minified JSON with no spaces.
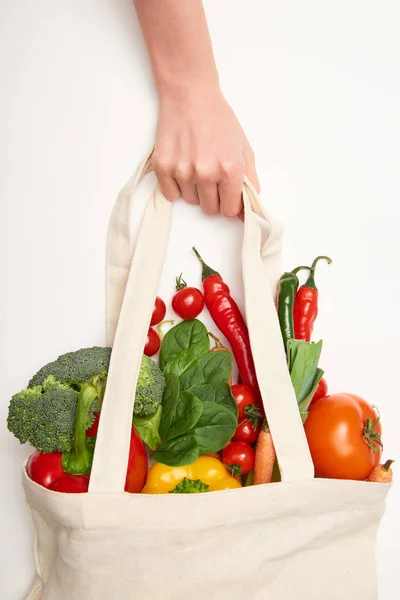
{"x":183,"y":171}
{"x":232,"y":169}
{"x":162,"y":165}
{"x":205,"y":173}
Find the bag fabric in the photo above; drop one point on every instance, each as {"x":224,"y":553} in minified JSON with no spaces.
{"x":303,"y":538}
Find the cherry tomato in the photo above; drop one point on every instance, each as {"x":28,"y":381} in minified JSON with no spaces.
{"x":159,"y":311}
{"x":342,"y":430}
{"x":321,"y":390}
{"x":93,"y":428}
{"x":152,"y":343}
{"x":71,"y":484}
{"x":45,"y":469}
{"x":240,"y":454}
{"x":247,"y":402}
{"x":188,"y":302}
{"x":137,"y":464}
{"x":246,"y":432}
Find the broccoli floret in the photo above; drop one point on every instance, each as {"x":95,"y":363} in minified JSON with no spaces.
{"x":149,"y":389}
{"x":75,"y":368}
{"x":44,"y":416}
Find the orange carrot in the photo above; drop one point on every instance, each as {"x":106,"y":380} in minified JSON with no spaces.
{"x":265,"y":457}
{"x":218,"y":346}
{"x":382,"y":473}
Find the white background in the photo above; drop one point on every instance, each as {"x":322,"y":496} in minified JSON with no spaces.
{"x":316,"y":87}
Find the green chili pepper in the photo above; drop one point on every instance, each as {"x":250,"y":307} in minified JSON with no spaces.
{"x":288,"y":284}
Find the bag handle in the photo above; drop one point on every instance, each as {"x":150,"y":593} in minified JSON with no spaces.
{"x":260,"y":272}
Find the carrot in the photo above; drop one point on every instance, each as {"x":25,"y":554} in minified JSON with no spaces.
{"x":219,"y":346}
{"x":382,"y":473}
{"x":265,"y":457}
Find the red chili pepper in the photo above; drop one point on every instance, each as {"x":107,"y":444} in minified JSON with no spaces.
{"x":305,"y":308}
{"x":228,"y":318}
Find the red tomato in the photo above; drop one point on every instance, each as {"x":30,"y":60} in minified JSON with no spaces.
{"x":321,"y":390}
{"x":246,"y":432}
{"x":241,"y":454}
{"x":71,"y":484}
{"x":339,"y":429}
{"x":45,"y":469}
{"x":93,"y":429}
{"x":247,"y":402}
{"x":159,"y":311}
{"x":152,"y":343}
{"x":137,"y":464}
{"x":188,"y":302}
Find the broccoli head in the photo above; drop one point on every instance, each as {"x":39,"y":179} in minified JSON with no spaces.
{"x":149,"y":388}
{"x":44,"y":416}
{"x":75,"y":368}
{"x":45,"y":413}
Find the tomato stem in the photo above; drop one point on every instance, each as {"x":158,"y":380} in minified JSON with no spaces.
{"x":180,"y":283}
{"x":372,"y":437}
{"x":234,"y":469}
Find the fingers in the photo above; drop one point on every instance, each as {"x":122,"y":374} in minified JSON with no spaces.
{"x":209,"y":198}
{"x":216,"y":187}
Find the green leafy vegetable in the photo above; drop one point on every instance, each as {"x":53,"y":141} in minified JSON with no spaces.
{"x":178,"y":452}
{"x":147,"y":428}
{"x":303,"y":358}
{"x":212,"y":368}
{"x":191,"y":335}
{"x":199,"y":413}
{"x":215,"y":427}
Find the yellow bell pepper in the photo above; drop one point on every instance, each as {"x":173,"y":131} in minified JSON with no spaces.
{"x":162,"y":479}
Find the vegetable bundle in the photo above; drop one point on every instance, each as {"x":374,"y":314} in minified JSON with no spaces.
{"x":202,"y":431}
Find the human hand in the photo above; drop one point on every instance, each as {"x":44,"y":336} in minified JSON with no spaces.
{"x":201,"y":152}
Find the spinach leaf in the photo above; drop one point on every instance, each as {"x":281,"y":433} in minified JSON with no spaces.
{"x":184,"y":360}
{"x":188,"y":334}
{"x":219,"y":393}
{"x":215,"y":427}
{"x":188,"y":410}
{"x":181,"y":410}
{"x":171,"y":394}
{"x":212,"y":368}
{"x":178,"y":452}
{"x":147,"y":428}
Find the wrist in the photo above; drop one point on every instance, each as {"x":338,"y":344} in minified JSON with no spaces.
{"x":185,"y":86}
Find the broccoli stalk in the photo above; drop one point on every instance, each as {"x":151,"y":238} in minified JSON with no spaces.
{"x":79,"y":460}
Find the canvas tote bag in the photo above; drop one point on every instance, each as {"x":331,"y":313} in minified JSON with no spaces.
{"x":301,"y":539}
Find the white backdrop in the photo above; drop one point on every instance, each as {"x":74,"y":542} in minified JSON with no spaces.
{"x":316,"y":88}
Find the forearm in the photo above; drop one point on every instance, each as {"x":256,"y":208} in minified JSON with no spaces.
{"x":179,"y":45}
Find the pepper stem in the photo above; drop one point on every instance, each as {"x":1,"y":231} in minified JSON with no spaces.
{"x":159,"y":328}
{"x":302,"y":268}
{"x":207,"y":271}
{"x":180,"y":283}
{"x":310,"y":283}
{"x":387,"y":465}
{"x":218,"y":343}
